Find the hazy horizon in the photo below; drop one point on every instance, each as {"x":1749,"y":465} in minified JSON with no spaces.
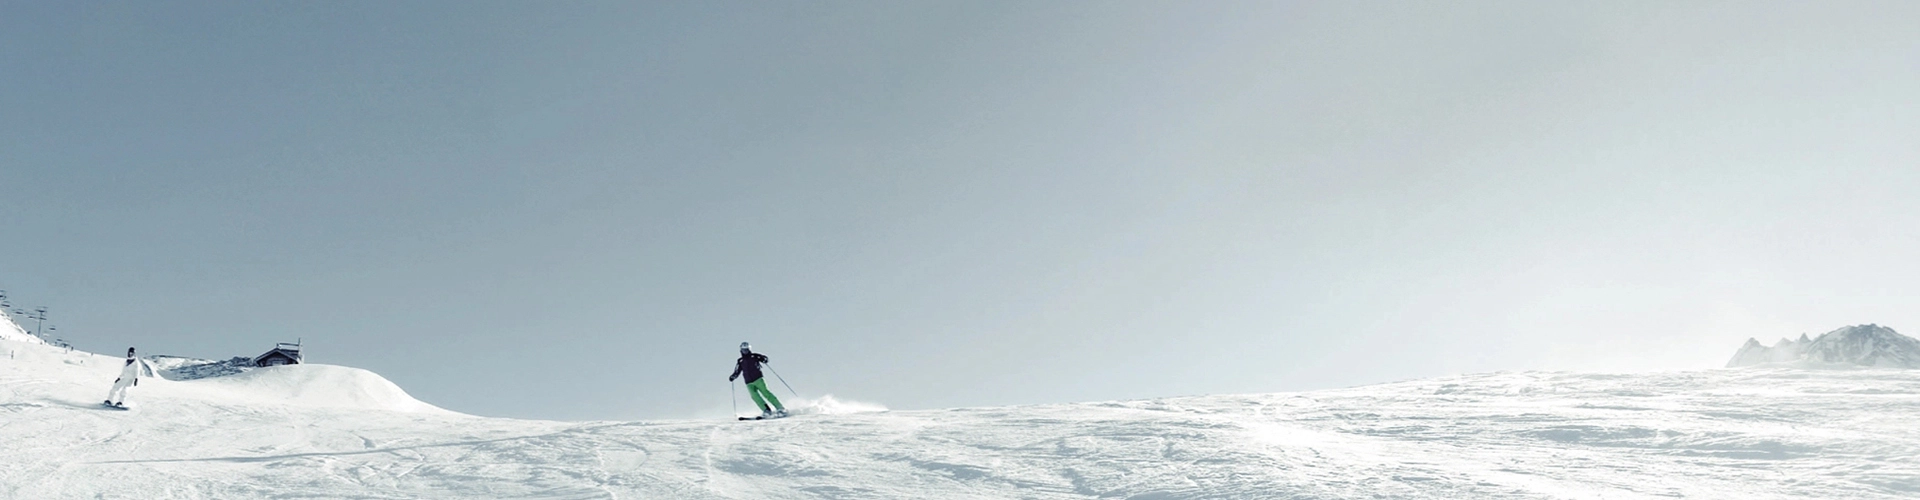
{"x":578,"y":210}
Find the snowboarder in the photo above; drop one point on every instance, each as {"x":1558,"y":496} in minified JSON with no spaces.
{"x":129,"y":376}
{"x":749,"y":365}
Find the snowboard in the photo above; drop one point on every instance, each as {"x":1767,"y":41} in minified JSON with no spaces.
{"x":121,"y":407}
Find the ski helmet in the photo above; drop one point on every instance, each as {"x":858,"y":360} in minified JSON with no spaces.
{"x":744,"y":348}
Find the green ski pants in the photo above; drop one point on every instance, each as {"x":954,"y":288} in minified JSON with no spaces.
{"x":762,"y":396}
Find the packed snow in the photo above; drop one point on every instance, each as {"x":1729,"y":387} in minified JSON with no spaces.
{"x":318,"y":431}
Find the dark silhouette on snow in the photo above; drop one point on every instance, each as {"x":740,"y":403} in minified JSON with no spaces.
{"x":749,"y":365}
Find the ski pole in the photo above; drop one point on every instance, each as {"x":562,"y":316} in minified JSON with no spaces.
{"x":733,"y":397}
{"x":783,"y":380}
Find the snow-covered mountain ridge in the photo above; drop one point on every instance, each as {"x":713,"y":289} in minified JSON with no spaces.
{"x":333,"y":432}
{"x":1859,"y":345}
{"x":184,"y":368}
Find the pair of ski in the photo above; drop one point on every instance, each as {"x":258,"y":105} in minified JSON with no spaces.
{"x":775,"y":416}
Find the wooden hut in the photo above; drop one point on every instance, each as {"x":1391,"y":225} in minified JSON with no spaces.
{"x":282,"y":354}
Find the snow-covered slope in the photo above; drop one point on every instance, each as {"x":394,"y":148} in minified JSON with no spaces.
{"x":1860,"y":345}
{"x":11,"y":331}
{"x":334,"y":432}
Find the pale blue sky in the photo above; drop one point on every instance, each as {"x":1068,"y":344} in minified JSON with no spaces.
{"x":576,"y":210}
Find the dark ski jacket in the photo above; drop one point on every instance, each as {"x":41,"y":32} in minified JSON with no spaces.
{"x":749,"y":365}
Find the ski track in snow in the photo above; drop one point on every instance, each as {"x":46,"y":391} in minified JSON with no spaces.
{"x":1740,"y":433}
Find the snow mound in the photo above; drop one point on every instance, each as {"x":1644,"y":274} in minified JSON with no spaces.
{"x":1860,"y":345}
{"x":829,"y":405}
{"x":321,"y":385}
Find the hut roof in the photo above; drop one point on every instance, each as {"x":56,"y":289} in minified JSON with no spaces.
{"x":282,"y":350}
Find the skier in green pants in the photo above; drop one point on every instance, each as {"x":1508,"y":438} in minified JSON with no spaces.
{"x":749,"y":365}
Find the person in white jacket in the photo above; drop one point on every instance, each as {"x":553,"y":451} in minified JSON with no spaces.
{"x":129,"y":376}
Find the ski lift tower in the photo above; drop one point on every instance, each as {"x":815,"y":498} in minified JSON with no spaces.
{"x":39,"y":318}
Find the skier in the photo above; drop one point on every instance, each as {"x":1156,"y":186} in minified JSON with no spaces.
{"x":129,"y":376}
{"x":749,"y":365}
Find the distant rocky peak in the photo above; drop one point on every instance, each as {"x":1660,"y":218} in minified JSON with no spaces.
{"x":1858,"y":345}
